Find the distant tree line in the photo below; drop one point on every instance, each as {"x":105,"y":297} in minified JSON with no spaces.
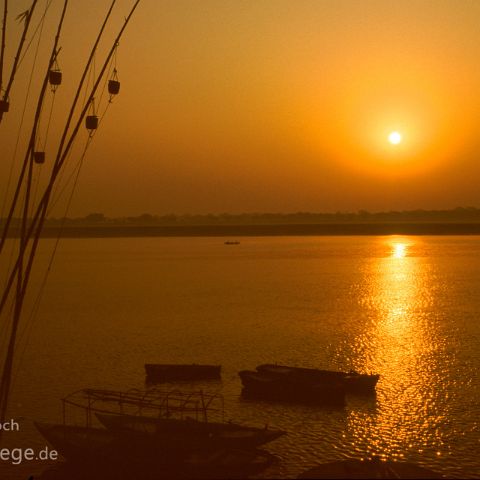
{"x":457,"y":215}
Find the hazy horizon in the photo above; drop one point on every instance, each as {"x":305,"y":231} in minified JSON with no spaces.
{"x":416,"y":218}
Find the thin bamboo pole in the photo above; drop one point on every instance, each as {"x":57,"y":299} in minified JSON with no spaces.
{"x":19,"y":52}
{"x":2,"y":51}
{"x":61,"y":159}
{"x":36,"y":228}
{"x":65,"y":132}
{"x":38,"y":219}
{"x":8,"y":364}
{"x":7,"y":91}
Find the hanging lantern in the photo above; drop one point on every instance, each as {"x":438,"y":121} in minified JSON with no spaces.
{"x":113,"y":87}
{"x":39,"y":157}
{"x":55,"y":78}
{"x":4,"y":106}
{"x":91,"y":122}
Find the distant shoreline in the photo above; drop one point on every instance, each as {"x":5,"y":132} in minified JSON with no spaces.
{"x":262,"y":230}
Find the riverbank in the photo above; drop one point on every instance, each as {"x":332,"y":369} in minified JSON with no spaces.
{"x":96,"y":231}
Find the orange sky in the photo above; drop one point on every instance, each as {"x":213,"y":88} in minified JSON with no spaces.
{"x":274,"y":105}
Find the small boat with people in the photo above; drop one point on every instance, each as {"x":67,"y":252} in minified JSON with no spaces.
{"x":353,"y":381}
{"x":164,"y":372}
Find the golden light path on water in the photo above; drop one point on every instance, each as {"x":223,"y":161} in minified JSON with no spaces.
{"x":401,"y":341}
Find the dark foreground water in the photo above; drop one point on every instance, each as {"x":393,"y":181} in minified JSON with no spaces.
{"x":405,"y":307}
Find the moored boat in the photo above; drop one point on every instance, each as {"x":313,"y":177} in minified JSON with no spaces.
{"x":161,"y":372}
{"x":100,"y":450}
{"x":189,"y":433}
{"x":353,"y":381}
{"x":290,"y":389}
{"x":156,"y":434}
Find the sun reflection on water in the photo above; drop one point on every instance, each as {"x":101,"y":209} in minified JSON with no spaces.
{"x":399,"y":342}
{"x":399,"y":250}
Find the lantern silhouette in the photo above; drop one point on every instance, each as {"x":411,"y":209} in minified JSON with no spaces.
{"x":91,"y":122}
{"x":39,"y":157}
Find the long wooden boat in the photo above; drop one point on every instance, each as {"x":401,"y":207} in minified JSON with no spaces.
{"x":95,"y":448}
{"x":189,"y":433}
{"x":273,"y":387}
{"x":353,"y":381}
{"x":158,"y":372}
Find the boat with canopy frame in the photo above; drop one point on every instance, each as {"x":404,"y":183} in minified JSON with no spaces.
{"x":154,"y":402}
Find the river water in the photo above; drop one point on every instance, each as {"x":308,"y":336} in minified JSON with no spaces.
{"x":404,"y":307}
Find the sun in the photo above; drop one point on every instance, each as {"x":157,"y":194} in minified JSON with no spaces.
{"x":395,"y":138}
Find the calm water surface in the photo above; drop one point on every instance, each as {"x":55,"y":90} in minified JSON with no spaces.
{"x":405,"y":307}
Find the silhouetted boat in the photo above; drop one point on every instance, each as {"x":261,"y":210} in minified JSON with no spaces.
{"x":353,"y":381}
{"x":94,"y":449}
{"x":368,"y":469}
{"x":232,"y":242}
{"x":191,"y":434}
{"x":278,"y":388}
{"x":158,"y":372}
{"x":154,"y":429}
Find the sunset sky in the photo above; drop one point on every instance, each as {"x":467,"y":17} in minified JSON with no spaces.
{"x":273,"y":105}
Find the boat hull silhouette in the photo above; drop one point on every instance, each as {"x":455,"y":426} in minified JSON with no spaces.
{"x":97,"y":449}
{"x":353,"y":382}
{"x":290,"y":389}
{"x":189,"y":433}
